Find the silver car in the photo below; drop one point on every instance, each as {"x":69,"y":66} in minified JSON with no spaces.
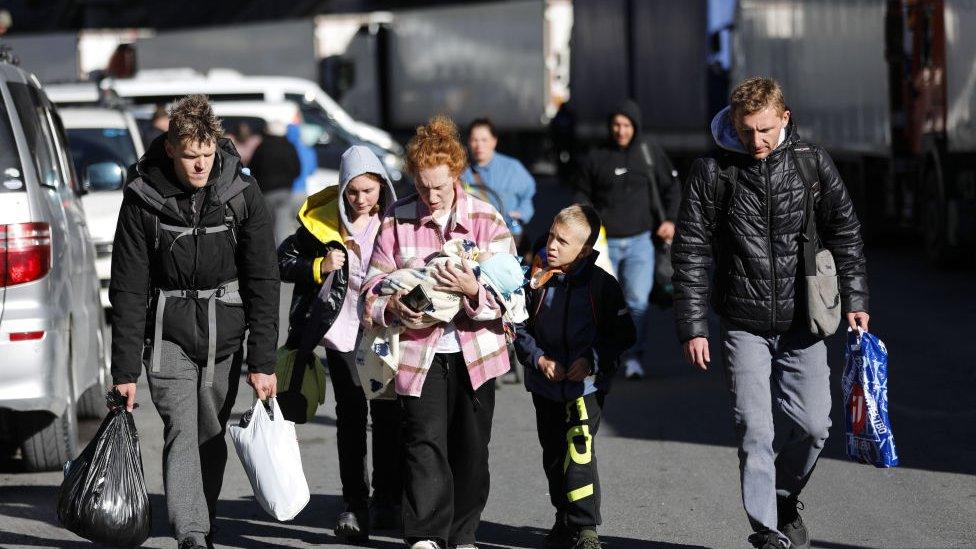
{"x":52,"y":351}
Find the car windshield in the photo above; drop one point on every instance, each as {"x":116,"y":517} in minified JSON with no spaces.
{"x":11,"y":178}
{"x":93,"y":145}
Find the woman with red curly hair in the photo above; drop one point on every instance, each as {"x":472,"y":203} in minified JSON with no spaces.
{"x":446,"y":374}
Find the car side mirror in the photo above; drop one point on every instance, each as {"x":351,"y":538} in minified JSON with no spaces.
{"x":324,"y":139}
{"x":103,"y":176}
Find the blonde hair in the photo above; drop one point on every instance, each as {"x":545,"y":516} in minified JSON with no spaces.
{"x":582,"y":217}
{"x":755,"y":94}
{"x":192,"y":120}
{"x":436,"y":143}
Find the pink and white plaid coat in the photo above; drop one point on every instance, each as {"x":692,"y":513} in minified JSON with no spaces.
{"x":408,"y":238}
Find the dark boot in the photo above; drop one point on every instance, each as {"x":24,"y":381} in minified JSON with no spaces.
{"x":587,"y":540}
{"x":791,"y":523}
{"x":766,"y":540}
{"x":352,"y":525}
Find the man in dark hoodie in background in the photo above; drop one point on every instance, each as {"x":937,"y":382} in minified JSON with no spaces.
{"x":619,"y":179}
{"x":193,"y":267}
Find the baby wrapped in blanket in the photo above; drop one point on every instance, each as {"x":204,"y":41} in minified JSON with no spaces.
{"x":501,"y":274}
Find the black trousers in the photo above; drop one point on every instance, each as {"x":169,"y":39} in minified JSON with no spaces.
{"x":446,"y":433}
{"x":351,"y":406}
{"x":566,"y":432}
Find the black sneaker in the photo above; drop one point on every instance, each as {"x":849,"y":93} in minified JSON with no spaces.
{"x":588,"y":540}
{"x":353,"y":525}
{"x":791,"y":523}
{"x":766,"y":540}
{"x":561,"y":535}
{"x":190,"y":543}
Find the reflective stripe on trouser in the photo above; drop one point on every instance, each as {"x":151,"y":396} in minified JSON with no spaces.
{"x":227,"y":293}
{"x":566,"y":432}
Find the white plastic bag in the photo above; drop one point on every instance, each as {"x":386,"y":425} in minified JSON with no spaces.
{"x":268,"y":448}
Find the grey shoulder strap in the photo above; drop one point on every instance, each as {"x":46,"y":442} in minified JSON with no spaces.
{"x":808,"y":167}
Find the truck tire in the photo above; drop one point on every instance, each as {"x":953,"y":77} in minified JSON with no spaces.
{"x":48,"y":440}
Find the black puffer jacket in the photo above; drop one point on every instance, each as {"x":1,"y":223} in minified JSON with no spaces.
{"x":756,"y":239}
{"x":146,"y":258}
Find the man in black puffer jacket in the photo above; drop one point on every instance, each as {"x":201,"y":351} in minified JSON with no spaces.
{"x":193,"y":268}
{"x":746,"y":209}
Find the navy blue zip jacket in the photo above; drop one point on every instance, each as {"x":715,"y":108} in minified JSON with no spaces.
{"x":578,"y":314}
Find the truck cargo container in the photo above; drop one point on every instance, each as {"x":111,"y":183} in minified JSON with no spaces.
{"x":889,"y":88}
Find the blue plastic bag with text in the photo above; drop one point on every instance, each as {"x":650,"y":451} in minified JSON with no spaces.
{"x":865,"y":385}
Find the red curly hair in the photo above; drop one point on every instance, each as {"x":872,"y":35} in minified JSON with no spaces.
{"x":436,"y":143}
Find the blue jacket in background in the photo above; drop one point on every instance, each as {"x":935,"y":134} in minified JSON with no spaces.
{"x":581,"y":313}
{"x":511,"y":184}
{"x":307,"y":159}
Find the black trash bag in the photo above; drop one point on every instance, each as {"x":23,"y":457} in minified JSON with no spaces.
{"x":103,"y":497}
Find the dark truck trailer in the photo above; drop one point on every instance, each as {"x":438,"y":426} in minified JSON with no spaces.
{"x":889,"y":88}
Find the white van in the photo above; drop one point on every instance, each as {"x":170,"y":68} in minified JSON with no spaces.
{"x":162,"y":86}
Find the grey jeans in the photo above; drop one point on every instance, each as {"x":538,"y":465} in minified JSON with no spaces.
{"x":194,"y":419}
{"x":785,"y":376}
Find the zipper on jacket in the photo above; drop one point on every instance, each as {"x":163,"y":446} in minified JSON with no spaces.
{"x":769,"y":241}
{"x":569,"y":295}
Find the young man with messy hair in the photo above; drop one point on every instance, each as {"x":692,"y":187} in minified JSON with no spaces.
{"x":748,"y":207}
{"x":195,"y":242}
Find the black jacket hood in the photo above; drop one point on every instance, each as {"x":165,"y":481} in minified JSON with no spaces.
{"x":156,"y":167}
{"x":631,"y":110}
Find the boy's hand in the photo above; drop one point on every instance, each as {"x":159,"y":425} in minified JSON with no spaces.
{"x":580,"y":368}
{"x":553,"y":370}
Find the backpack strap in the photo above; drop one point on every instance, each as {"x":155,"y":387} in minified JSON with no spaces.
{"x":808,"y":169}
{"x":728,"y":176}
{"x":656,"y":202}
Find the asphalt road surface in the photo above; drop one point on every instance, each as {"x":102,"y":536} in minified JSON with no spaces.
{"x":667,"y":461}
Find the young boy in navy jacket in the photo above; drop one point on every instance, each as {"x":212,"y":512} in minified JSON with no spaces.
{"x":578,"y":327}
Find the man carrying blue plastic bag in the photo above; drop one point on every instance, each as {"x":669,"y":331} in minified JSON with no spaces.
{"x":865,"y":385}
{"x":773,"y":215}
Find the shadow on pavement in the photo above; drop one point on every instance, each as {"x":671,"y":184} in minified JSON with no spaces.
{"x":494,"y":535}
{"x":916,"y":310}
{"x":831,"y":545}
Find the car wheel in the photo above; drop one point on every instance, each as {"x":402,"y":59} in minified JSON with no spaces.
{"x":48,"y":440}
